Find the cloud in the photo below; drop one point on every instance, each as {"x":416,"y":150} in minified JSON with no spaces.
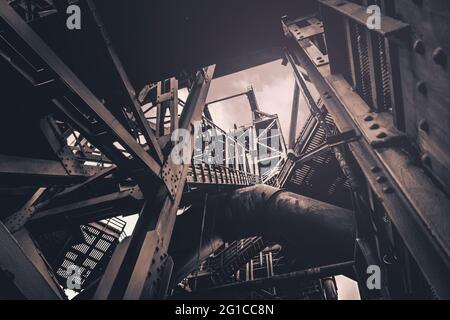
{"x":273,"y":84}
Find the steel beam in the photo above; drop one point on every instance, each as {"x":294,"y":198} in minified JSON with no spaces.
{"x":124,"y":202}
{"x":35,"y":172}
{"x":324,"y":148}
{"x":29,"y":276}
{"x":389,"y":26}
{"x":77,"y":102}
{"x":135,"y":273}
{"x":88,"y":183}
{"x":294,"y":116}
{"x":18,"y":219}
{"x":416,"y":206}
{"x":131,"y":93}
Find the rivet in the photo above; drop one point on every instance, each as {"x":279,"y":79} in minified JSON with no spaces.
{"x":423,"y":125}
{"x":368,"y":118}
{"x":375,"y":126}
{"x":439,"y":56}
{"x":375,"y":169}
{"x":422,"y":87}
{"x":419,"y":47}
{"x":381,"y":135}
{"x":388,"y":189}
{"x":426,"y":159}
{"x":381,"y":179}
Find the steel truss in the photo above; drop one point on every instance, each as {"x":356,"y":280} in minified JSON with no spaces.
{"x":111,"y":158}
{"x":160,"y":180}
{"x":128,"y":156}
{"x":414,"y":204}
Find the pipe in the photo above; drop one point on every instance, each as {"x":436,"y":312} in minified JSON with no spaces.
{"x":316,"y":233}
{"x":308,"y":274}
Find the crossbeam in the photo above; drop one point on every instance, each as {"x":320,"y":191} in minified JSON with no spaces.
{"x":27,"y":275}
{"x":73,"y":96}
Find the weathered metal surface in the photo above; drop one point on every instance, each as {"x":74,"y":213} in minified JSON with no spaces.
{"x":319,"y":233}
{"x":384,"y":90}
{"x":30,"y":277}
{"x":415,"y":204}
{"x":389,"y":26}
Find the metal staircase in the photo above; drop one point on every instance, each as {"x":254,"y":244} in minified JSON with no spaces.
{"x":314,"y":164}
{"x":219,"y":175}
{"x":89,"y":255}
{"x":230,"y":258}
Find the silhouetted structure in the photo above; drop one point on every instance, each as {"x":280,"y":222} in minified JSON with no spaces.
{"x":90,"y":127}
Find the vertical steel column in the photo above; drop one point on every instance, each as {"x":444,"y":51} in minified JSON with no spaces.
{"x":294,"y":116}
{"x":137,"y":272}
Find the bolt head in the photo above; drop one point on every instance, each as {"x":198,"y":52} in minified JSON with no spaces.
{"x":426,"y":160}
{"x":422,"y":87}
{"x":381,"y":179}
{"x":388,"y":189}
{"x":424,"y":126}
{"x":439,"y":56}
{"x":375,"y":169}
{"x":419,"y":47}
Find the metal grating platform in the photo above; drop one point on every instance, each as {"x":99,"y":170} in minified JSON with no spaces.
{"x":92,"y":254}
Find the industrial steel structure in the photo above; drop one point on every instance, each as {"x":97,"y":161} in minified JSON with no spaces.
{"x":92,"y":124}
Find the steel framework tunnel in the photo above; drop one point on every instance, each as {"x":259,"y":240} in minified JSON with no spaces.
{"x":89,"y":118}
